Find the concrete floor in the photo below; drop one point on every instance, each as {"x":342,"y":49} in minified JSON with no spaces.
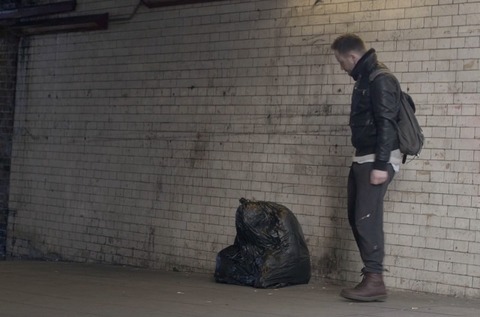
{"x":51,"y":289}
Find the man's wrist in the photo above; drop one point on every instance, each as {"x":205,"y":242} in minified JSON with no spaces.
{"x":380,"y":165}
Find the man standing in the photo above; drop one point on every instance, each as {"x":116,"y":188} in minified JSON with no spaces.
{"x":373,"y":116}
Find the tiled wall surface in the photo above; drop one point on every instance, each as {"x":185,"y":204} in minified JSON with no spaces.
{"x":133,"y":145}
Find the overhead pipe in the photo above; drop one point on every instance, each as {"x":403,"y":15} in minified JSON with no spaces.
{"x":7,"y":16}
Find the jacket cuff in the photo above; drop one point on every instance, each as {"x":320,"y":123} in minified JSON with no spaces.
{"x":380,"y":165}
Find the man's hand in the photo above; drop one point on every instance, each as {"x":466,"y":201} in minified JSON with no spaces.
{"x":378,"y":177}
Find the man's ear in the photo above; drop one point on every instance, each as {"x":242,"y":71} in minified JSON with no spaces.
{"x":354,"y":57}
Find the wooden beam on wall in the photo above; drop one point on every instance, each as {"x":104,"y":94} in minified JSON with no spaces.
{"x":166,"y":3}
{"x":62,"y":25}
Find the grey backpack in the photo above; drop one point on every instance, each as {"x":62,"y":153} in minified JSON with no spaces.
{"x":410,"y":134}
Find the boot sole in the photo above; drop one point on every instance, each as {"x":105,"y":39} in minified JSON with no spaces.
{"x":378,"y":298}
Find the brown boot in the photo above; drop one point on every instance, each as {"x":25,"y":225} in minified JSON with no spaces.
{"x":370,"y":289}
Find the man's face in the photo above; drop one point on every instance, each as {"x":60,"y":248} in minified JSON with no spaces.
{"x":347,"y":61}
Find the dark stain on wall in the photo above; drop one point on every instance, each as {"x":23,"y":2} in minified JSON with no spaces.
{"x":8,"y":70}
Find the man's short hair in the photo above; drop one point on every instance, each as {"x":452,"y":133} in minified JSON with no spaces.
{"x":348,"y":42}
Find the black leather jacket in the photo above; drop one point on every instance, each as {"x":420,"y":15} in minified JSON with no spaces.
{"x":374,"y":111}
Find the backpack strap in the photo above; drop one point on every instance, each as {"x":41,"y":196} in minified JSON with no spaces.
{"x":377,"y":72}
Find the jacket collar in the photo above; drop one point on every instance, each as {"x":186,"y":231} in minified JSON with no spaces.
{"x":364,"y":64}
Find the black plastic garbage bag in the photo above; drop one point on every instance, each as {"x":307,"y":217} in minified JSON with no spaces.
{"x":269,"y":249}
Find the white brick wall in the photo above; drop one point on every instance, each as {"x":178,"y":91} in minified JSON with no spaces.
{"x":133,"y":145}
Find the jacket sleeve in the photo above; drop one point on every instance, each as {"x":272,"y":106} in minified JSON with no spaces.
{"x":385,"y":95}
